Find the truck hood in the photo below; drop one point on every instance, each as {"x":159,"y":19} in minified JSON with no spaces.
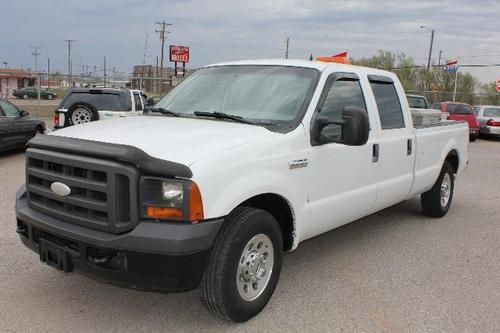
{"x":181,"y":140}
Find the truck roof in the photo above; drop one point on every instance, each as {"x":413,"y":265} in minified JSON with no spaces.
{"x":319,"y":65}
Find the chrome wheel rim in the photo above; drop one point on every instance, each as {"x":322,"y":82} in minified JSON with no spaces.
{"x":445,"y":190}
{"x":255,"y":267}
{"x":81,"y":116}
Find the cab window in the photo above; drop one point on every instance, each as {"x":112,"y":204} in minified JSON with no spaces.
{"x":137,"y":102}
{"x":342,"y":93}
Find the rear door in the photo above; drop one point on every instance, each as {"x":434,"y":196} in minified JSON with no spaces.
{"x":5,"y":127}
{"x":16,"y":130}
{"x":394,"y":147}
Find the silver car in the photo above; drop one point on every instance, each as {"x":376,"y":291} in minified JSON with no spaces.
{"x":488,"y":117}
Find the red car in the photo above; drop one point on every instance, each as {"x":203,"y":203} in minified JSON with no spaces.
{"x":460,"y":112}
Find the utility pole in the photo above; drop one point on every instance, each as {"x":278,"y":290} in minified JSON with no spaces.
{"x":114,"y":76}
{"x":286,"y":51}
{"x":36,"y":54}
{"x":439,"y":59}
{"x":48,"y":73}
{"x":163,"y":31}
{"x":69,"y":41}
{"x":104,"y":71}
{"x":430,"y":50}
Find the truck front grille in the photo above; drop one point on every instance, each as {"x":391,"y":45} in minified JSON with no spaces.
{"x":103,"y":193}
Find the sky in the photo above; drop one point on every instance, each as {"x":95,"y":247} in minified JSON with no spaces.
{"x":224,"y":30}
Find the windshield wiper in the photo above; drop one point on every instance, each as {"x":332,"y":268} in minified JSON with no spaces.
{"x":239,"y":119}
{"x":165,"y":111}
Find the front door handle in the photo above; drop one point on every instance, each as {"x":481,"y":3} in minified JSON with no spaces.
{"x":409,"y":147}
{"x":375,"y":153}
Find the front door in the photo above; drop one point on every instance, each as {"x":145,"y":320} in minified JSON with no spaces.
{"x":343,"y":184}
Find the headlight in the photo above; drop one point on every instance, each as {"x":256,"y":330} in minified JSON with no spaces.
{"x":170,"y":199}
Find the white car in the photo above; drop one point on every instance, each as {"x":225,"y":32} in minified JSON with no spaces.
{"x":488,"y":117}
{"x":241,"y":162}
{"x":83,"y":105}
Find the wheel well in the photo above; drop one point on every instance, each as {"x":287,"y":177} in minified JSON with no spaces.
{"x":279,"y":208}
{"x":452,"y":158}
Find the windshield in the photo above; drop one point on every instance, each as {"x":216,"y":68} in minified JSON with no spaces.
{"x":270,"y":93}
{"x":492,"y":112}
{"x":459,"y":109}
{"x":417,"y":102}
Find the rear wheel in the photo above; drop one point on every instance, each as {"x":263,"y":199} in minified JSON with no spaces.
{"x":244,"y":265}
{"x":49,"y":96}
{"x":436,"y":202}
{"x":25,"y":96}
{"x":81,"y":113}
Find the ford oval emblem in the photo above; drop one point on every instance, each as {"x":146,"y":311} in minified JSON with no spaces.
{"x":60,"y":189}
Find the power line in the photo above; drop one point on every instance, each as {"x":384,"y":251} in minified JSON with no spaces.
{"x":163,"y":31}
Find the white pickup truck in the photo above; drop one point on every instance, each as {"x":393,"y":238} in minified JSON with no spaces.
{"x":240,"y":163}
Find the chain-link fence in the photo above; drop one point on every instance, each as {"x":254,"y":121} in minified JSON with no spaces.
{"x":60,"y":83}
{"x":469,"y":98}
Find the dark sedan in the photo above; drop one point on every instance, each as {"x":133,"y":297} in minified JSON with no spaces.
{"x":16,"y":127}
{"x":31,"y":92}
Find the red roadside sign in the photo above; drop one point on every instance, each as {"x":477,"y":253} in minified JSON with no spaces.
{"x":179,"y":53}
{"x":498,"y":85}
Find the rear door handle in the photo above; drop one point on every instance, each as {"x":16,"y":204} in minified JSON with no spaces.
{"x":409,"y":147}
{"x":375,"y":152}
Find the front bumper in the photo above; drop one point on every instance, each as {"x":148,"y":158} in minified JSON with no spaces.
{"x":153,"y":256}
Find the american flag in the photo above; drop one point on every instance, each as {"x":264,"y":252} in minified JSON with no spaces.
{"x":451,"y":66}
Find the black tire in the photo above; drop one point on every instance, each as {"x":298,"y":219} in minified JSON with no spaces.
{"x":94,"y":115}
{"x":431,"y":200}
{"x":473,"y":138}
{"x":219,"y":287}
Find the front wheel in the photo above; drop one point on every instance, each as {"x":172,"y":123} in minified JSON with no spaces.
{"x":244,"y":265}
{"x":437,"y":201}
{"x":49,"y":96}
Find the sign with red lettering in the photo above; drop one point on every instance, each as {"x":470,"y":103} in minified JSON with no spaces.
{"x":179,"y":53}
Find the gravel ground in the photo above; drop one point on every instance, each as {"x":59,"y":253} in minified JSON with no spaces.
{"x":394,"y":271}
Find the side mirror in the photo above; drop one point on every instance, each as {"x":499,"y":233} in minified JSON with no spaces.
{"x":23,"y":113}
{"x":150,"y":101}
{"x":355,"y":127}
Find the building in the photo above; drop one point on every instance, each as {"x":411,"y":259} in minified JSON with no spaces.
{"x":12,"y":79}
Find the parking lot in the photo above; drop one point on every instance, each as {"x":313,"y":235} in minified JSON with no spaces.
{"x":394,"y":271}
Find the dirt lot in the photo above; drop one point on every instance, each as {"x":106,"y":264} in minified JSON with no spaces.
{"x":43,"y":109}
{"x":394,"y":271}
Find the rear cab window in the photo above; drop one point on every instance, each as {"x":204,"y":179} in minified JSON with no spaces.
{"x":101,"y":100}
{"x":459,"y":109}
{"x":137,"y":101}
{"x":388,"y":103}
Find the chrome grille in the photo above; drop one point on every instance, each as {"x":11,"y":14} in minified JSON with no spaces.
{"x":103,"y":193}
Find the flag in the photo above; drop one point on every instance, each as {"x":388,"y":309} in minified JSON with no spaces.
{"x":451,"y":66}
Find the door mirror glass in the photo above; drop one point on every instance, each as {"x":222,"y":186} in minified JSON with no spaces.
{"x":23,"y":113}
